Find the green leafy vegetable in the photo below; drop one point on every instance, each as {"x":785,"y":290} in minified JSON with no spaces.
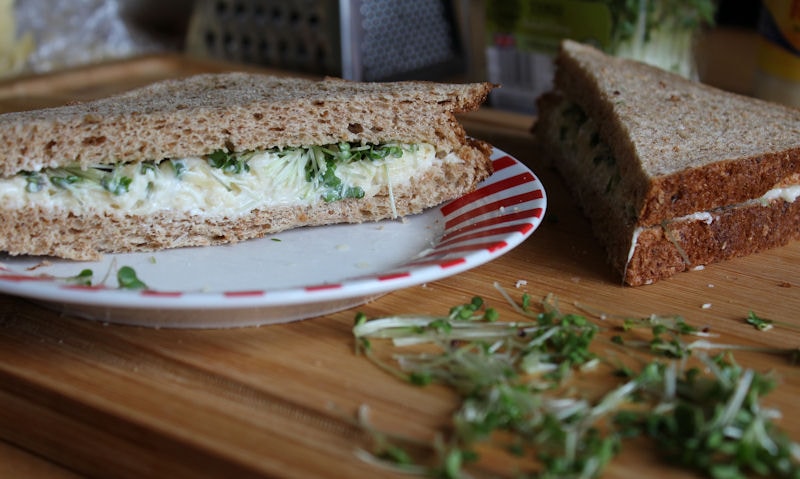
{"x":63,"y":179}
{"x":69,"y":177}
{"x":320,"y":163}
{"x":517,"y":381}
{"x":116,"y":184}
{"x":127,"y":279}
{"x":332,"y":187}
{"x":759,"y":323}
{"x":659,"y":32}
{"x":229,"y":162}
{"x":35,"y":182}
{"x":178,"y":166}
{"x":83,"y":278}
{"x":714,"y":423}
{"x":148,"y":166}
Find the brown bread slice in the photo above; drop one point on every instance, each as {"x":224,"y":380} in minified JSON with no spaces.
{"x":234,"y":112}
{"x":675,"y":164}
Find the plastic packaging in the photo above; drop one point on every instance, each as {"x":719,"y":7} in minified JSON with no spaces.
{"x":69,"y":33}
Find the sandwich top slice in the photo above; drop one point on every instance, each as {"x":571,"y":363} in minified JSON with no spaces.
{"x":219,"y":158}
{"x":673,"y":174}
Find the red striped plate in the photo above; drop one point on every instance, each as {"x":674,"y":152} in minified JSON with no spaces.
{"x":297,"y":274}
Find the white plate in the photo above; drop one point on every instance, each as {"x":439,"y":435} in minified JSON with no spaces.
{"x":296,"y":274}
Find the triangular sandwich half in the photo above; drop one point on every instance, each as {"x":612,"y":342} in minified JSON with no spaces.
{"x":220,"y":158}
{"x":673,"y":174}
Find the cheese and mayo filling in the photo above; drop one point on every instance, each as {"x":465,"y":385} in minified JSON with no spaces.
{"x":223,"y":183}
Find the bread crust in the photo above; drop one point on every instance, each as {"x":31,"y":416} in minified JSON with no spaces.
{"x":236,"y":112}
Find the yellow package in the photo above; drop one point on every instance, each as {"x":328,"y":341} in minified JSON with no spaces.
{"x":13,"y":51}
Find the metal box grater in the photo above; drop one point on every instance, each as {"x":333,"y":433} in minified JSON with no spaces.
{"x":365,"y":40}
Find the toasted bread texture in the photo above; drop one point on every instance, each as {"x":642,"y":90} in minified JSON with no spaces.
{"x":233,"y":112}
{"x":669,"y":171}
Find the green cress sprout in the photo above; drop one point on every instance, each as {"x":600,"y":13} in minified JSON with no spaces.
{"x":229,"y":163}
{"x":106,"y":176}
{"x":759,"y":323}
{"x":84,"y":278}
{"x":320,"y":168}
{"x":127,"y":279}
{"x":519,"y":388}
{"x":320,"y":163}
{"x":659,"y":32}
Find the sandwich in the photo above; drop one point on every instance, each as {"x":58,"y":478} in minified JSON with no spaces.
{"x":220,"y":158}
{"x":672,"y":174}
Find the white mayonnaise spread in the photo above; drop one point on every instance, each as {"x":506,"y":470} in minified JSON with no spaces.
{"x":788,"y":194}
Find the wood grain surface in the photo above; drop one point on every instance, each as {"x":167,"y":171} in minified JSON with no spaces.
{"x":81,"y":398}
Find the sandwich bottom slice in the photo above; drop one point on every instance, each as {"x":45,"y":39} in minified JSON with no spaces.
{"x":672,"y":174}
{"x":220,"y":158}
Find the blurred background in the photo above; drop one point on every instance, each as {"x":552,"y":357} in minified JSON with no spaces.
{"x":745,"y":46}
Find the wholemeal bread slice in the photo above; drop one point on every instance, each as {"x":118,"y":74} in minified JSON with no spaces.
{"x":236,"y":115}
{"x":236,"y":111}
{"x":673,"y":174}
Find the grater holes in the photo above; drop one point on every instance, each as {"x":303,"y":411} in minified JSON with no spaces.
{"x":404,"y":36}
{"x":228,"y":42}
{"x":276,"y":15}
{"x":263,"y":48}
{"x":297,"y":34}
{"x":246,"y":44}
{"x":283,"y":50}
{"x":221,"y":8}
{"x":301,"y":52}
{"x":259,"y":15}
{"x":240,"y":10}
{"x":210,"y":38}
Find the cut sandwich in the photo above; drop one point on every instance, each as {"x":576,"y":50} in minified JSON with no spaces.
{"x":220,"y":158}
{"x":672,"y":174}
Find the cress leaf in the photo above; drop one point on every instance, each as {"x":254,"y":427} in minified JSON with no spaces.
{"x":127,"y":279}
{"x":84,"y":278}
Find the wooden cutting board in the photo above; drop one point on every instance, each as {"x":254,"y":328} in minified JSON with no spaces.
{"x":87,"y":398}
